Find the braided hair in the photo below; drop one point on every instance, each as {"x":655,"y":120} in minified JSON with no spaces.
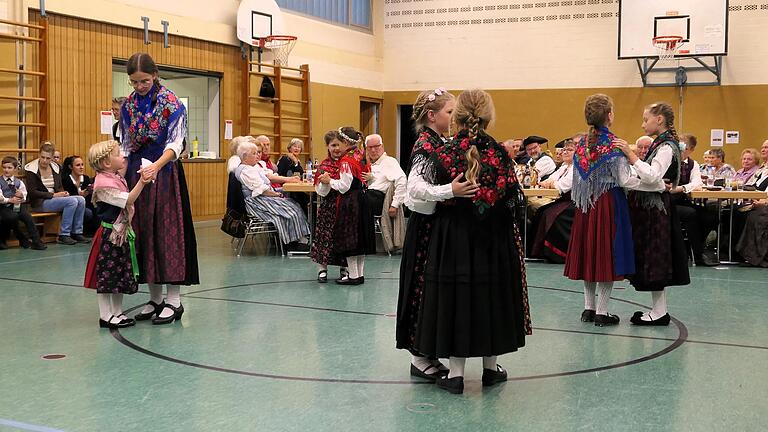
{"x":430,"y":100}
{"x":100,"y":151}
{"x":597,"y":107}
{"x":475,"y":112}
{"x":665,"y":110}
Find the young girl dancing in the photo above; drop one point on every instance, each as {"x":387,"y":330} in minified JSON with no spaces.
{"x":661,"y":259}
{"x":112,"y":265}
{"x":475,"y":299}
{"x":600,"y":249}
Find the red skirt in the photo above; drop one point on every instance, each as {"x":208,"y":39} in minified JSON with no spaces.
{"x":590,"y":254}
{"x":93,"y":258}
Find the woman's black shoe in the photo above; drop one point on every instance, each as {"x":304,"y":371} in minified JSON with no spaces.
{"x":177,"y":313}
{"x":145,"y":316}
{"x":322,"y":276}
{"x":453,"y":385}
{"x":429,"y":376}
{"x":350,"y":281}
{"x":588,"y":315}
{"x":124,"y":322}
{"x":661,"y":321}
{"x":606,"y":320}
{"x":492,"y":377}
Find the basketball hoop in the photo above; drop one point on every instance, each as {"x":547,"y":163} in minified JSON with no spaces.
{"x":667,"y":46}
{"x":280,"y":45}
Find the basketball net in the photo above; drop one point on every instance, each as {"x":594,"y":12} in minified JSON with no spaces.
{"x":280,"y":46}
{"x":667,"y":46}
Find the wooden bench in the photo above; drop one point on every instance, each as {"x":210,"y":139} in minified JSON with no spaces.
{"x":47,"y":224}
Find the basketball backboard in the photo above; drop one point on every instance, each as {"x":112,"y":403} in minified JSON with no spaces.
{"x":257,"y":19}
{"x":703,"y":25}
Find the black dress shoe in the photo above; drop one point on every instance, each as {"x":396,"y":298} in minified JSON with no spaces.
{"x":177,"y":313}
{"x":322,"y":276}
{"x":25,"y":243}
{"x":124,"y":322}
{"x":708,"y":259}
{"x":80,"y":239}
{"x":453,"y":385}
{"x":588,"y":315}
{"x":493,"y":377}
{"x":350,"y":281}
{"x":428,"y":376}
{"x":38,"y":245}
{"x":606,"y":320}
{"x":661,"y":321}
{"x":65,"y":240}
{"x":145,"y":316}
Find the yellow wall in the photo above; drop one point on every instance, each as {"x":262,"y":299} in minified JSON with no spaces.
{"x":557,"y":114}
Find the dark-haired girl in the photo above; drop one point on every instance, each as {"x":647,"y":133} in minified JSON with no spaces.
{"x":153,"y":124}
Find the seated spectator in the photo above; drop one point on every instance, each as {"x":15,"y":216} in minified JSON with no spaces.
{"x":512,"y":146}
{"x":271,"y":169}
{"x":551,"y":226}
{"x":47,"y":194}
{"x":386,"y":188}
{"x":263,"y":202}
{"x":289,"y":164}
{"x":709,"y":161}
{"x":558,"y":157}
{"x":234,"y":160}
{"x":117,"y":103}
{"x":642,"y":144}
{"x":691,"y":216}
{"x":750,"y":162}
{"x":722,"y":169}
{"x":544,"y":163}
{"x":57,"y":157}
{"x":14,"y":193}
{"x":752,"y":244}
{"x":76,"y":182}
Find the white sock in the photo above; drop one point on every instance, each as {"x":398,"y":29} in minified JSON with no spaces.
{"x":105,"y":306}
{"x":457,"y":366}
{"x":490,"y":362}
{"x":421,"y":363}
{"x":156,"y":295}
{"x":659,"y":308}
{"x":352,"y":266}
{"x":589,"y":295}
{"x":603,"y":297}
{"x":117,"y":304}
{"x":173,"y":297}
{"x":436,"y":363}
{"x":361,"y":264}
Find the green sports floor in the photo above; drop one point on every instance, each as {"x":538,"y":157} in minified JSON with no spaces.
{"x":263,"y":347}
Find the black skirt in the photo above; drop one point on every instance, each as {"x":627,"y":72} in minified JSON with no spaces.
{"x":475,"y":300}
{"x":661,"y":258}
{"x":354,"y":232}
{"x":414,"y":259}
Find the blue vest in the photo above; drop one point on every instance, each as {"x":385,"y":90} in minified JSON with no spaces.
{"x":9,"y":192}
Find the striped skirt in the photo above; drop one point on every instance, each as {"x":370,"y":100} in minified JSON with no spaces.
{"x":284,"y":213}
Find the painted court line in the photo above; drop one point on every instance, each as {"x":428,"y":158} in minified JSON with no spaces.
{"x":27,"y":426}
{"x":43,"y":258}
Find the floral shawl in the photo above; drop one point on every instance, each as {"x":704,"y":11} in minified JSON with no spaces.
{"x":159,"y":117}
{"x":597,"y":162}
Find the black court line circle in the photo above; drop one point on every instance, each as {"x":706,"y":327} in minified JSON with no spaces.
{"x":682,"y":336}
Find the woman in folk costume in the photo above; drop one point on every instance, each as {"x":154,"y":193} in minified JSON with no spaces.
{"x":112,"y":265}
{"x":153,"y":125}
{"x":661,"y":258}
{"x":600,"y":250}
{"x":432,"y":115}
{"x":475,"y":300}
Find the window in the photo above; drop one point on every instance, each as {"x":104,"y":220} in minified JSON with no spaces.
{"x":198,"y":91}
{"x":353,"y":13}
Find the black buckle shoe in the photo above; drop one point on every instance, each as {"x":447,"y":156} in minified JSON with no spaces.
{"x":588,"y":315}
{"x":416,"y":372}
{"x":453,"y":385}
{"x":322,"y":276}
{"x":350,"y":281}
{"x":661,"y":321}
{"x":606,"y":320}
{"x":145,"y":316}
{"x":177,"y":313}
{"x":493,"y":377}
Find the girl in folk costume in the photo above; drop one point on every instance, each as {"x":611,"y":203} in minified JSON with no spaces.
{"x":353,"y":232}
{"x":661,"y":258}
{"x":475,"y":299}
{"x":112,"y":265}
{"x":432,"y":116}
{"x":153,"y":125}
{"x":600,"y":249}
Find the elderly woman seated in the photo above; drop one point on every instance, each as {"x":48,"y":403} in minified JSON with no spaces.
{"x":263,"y":202}
{"x":752,"y":244}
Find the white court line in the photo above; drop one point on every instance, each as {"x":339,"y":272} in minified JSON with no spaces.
{"x":27,"y":426}
{"x":43,"y":258}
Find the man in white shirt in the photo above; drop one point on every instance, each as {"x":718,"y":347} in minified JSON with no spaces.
{"x":544,"y":163}
{"x":385,"y":171}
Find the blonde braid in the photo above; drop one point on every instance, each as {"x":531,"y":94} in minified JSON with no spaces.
{"x":100,"y":151}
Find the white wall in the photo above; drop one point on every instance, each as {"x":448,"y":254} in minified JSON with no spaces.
{"x":535,"y":44}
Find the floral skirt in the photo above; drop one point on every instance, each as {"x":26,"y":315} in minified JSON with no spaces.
{"x":109,"y":269}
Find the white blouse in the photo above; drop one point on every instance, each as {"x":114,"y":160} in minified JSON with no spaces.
{"x":421,"y":196}
{"x":649,"y":177}
{"x":342,"y":185}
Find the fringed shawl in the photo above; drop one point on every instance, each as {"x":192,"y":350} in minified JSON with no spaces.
{"x":598,"y":166}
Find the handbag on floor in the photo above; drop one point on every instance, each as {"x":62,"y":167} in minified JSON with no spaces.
{"x":233,"y":223}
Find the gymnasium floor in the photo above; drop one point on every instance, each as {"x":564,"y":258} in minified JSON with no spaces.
{"x":263,"y":347}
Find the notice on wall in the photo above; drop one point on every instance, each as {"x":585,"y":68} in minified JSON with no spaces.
{"x":716,"y":138}
{"x":228,"y":129}
{"x":732,"y":137}
{"x":106,"y":122}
